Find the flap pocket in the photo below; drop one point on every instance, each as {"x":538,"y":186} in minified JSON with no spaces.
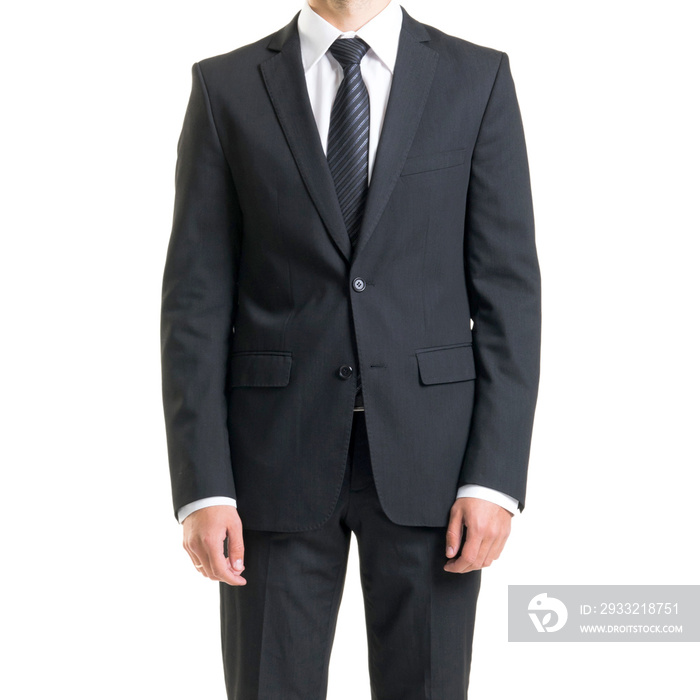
{"x":260,"y":368}
{"x":446,"y":363}
{"x":433,"y":161}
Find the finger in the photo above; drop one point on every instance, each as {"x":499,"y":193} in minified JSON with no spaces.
{"x":195,"y":559}
{"x":203,"y":557}
{"x":477,"y":562}
{"x":218,"y":565}
{"x":491,"y":543}
{"x":453,"y":536}
{"x":469,"y":554}
{"x":500,"y":541}
{"x":235,"y":549}
{"x":476,"y":547}
{"x":198,"y":564}
{"x":199,"y":550}
{"x":497,"y":549}
{"x":492,"y":553}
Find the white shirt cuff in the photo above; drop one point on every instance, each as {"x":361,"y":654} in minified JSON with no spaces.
{"x":487,"y":494}
{"x":183,"y":512}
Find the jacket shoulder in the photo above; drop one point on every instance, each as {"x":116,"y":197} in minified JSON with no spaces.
{"x":461,"y":51}
{"x":237,"y":61}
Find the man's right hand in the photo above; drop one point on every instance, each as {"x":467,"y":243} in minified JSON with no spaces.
{"x":204,"y":532}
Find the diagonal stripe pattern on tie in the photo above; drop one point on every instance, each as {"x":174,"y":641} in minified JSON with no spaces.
{"x":348,"y":135}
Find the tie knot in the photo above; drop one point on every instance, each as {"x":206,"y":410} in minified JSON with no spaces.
{"x":349,"y":51}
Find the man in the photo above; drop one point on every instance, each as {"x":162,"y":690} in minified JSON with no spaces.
{"x":351,"y":190}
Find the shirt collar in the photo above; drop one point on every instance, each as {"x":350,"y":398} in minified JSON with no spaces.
{"x":381,"y":33}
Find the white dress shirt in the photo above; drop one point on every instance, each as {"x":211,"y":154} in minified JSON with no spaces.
{"x":323,"y":77}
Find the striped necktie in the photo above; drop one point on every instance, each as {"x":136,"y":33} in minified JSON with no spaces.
{"x":348,"y":135}
{"x":348,"y":144}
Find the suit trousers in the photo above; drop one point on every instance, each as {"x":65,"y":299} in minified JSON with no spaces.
{"x":277,"y":630}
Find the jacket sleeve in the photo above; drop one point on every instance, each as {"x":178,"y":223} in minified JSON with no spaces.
{"x":199,"y":297}
{"x":503,"y":284}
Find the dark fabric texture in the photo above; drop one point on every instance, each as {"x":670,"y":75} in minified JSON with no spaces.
{"x":277,"y":630}
{"x":266,"y":304}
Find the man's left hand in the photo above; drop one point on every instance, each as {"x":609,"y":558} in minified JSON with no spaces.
{"x":488,"y":527}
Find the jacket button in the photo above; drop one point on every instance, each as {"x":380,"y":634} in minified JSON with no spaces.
{"x":358,"y":284}
{"x":345,"y":372}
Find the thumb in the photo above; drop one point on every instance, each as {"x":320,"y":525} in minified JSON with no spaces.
{"x":454,"y":535}
{"x":235,"y":549}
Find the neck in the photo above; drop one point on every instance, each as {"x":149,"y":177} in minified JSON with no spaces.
{"x":348,"y":15}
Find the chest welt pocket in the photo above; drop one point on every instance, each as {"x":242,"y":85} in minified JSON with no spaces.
{"x":248,"y":368}
{"x":446,"y":363}
{"x":433,"y":161}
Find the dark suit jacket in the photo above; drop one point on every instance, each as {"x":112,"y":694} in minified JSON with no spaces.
{"x":260,"y":311}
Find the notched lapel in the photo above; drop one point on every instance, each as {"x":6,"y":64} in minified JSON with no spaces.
{"x":283,"y":74}
{"x":413,"y":75}
{"x":284,"y":78}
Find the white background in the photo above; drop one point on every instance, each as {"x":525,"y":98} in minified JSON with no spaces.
{"x":99,"y":599}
